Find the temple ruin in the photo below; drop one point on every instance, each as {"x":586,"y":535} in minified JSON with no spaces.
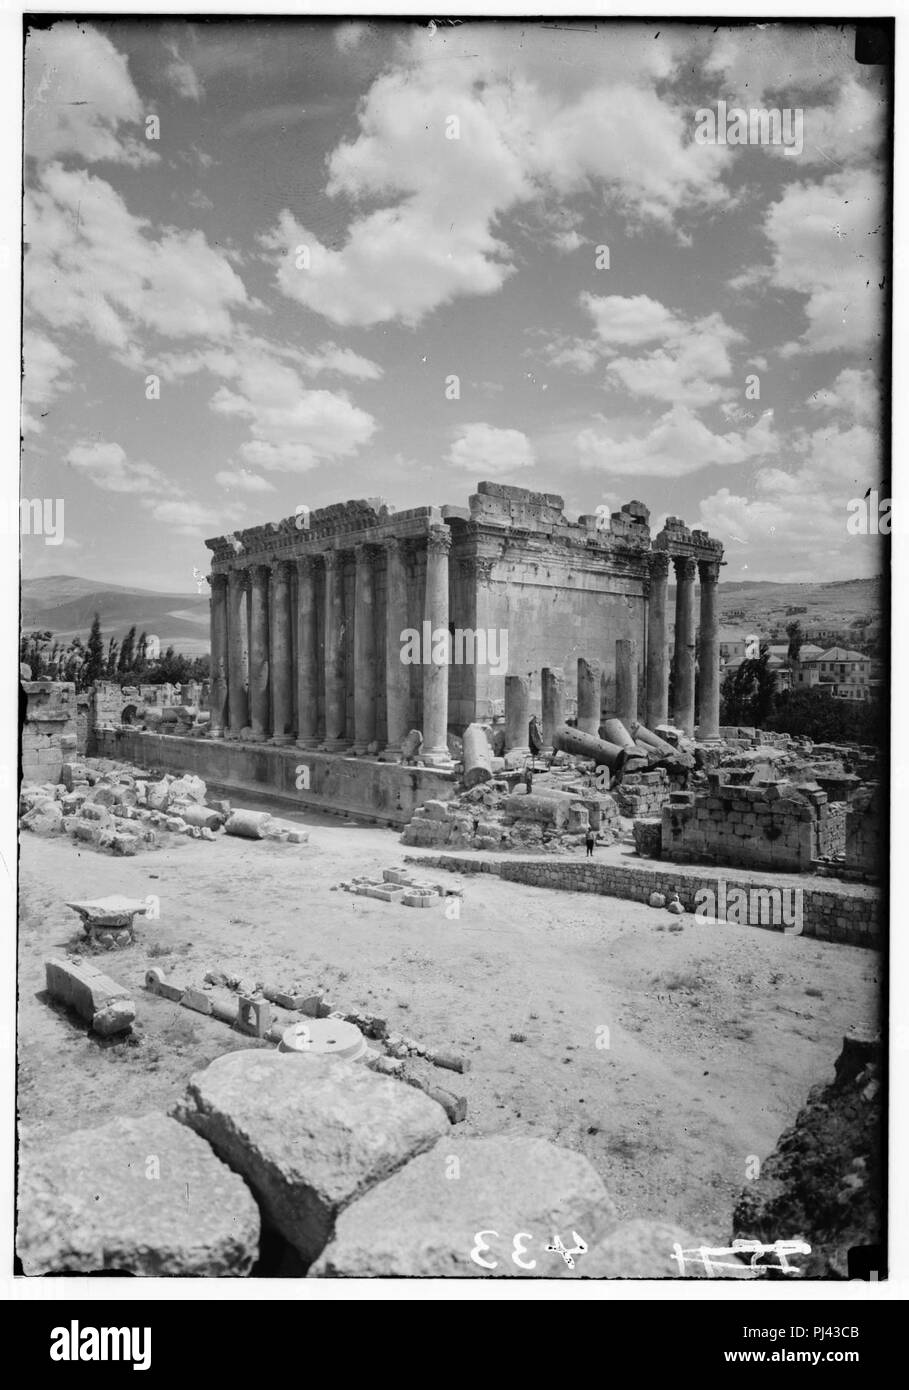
{"x":307,"y":622}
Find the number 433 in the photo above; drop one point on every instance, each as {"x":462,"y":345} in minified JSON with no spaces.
{"x":519,"y":1250}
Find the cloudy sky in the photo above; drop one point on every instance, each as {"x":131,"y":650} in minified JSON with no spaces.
{"x":382,"y":259}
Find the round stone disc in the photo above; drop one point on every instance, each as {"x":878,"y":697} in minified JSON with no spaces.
{"x":328,"y":1037}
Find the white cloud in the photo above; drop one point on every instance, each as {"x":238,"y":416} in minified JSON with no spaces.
{"x":484,"y":449}
{"x":106,"y":465}
{"x":855,"y":393}
{"x":243,"y":481}
{"x":349,"y":36}
{"x":677,"y":444}
{"x":182,"y":75}
{"x":447,"y":147}
{"x":827,"y":241}
{"x":566,"y":242}
{"x":331,"y":358}
{"x":78,"y":93}
{"x":93,"y":266}
{"x":45,"y":374}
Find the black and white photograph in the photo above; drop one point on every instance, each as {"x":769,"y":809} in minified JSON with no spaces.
{"x":453,"y":529}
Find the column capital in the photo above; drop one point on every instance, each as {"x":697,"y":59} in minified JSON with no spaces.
{"x":331,"y":559}
{"x":259,"y":571}
{"x":239,"y":578}
{"x":685,"y":568}
{"x":281,"y":569}
{"x":438,"y":541}
{"x":217,"y":578}
{"x":364,"y":553}
{"x":658,"y":564}
{"x":306,"y":565}
{"x":709,"y":570}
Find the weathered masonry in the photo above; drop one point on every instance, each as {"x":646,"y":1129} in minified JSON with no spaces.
{"x":307,"y":625}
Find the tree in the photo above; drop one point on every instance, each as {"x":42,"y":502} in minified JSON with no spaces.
{"x":748,"y":693}
{"x":110,"y":664}
{"x":127,"y":652}
{"x":818,"y":715}
{"x":796,"y":638}
{"x":141,"y":661}
{"x":93,"y":669}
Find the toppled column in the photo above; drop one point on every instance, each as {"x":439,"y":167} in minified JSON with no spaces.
{"x":553,"y":678}
{"x":590,"y":677}
{"x":626,"y":678}
{"x":477,"y":755}
{"x":584,"y":745}
{"x":517,"y":714}
{"x":660,"y":747}
{"x":615,"y":732}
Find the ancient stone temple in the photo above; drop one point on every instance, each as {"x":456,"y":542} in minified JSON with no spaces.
{"x":332,"y":635}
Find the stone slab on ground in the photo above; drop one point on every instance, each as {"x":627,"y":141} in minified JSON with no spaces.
{"x":423,"y":1221}
{"x":309,"y":1134}
{"x":138,"y":1196}
{"x":107,"y":1006}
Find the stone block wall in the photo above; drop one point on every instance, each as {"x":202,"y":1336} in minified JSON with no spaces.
{"x":831,"y":836}
{"x":642,"y":793}
{"x":49,"y":736}
{"x":777,"y":825}
{"x":865,"y":830}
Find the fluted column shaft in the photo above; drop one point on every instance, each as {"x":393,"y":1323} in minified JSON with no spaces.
{"x":553,"y":705}
{"x":307,"y":655}
{"x":279,"y":626}
{"x":335,"y":655}
{"x":709,"y":652}
{"x":590,"y":688}
{"x":259,"y":654}
{"x":397,"y":674}
{"x":364,"y":651}
{"x":657,"y":658}
{"x":435,"y":675}
{"x":626,"y":679}
{"x":237,"y":652}
{"x":517,"y":714}
{"x":219,"y":656}
{"x":683,"y":712}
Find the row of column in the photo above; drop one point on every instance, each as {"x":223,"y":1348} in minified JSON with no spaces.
{"x":686,"y":569}
{"x":263,"y":645}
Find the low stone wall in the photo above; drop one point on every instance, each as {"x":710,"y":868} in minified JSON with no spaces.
{"x":49,"y":735}
{"x":865,"y":830}
{"x":848,"y":913}
{"x":384,"y":792}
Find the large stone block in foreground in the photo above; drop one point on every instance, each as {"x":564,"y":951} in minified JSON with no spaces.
{"x":309,"y":1134}
{"x":424,"y":1220}
{"x":143,"y":1196}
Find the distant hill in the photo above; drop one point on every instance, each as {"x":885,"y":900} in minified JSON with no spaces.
{"x":66,"y":605}
{"x":765,"y":604}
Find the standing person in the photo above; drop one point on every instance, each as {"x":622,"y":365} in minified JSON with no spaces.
{"x":528,"y":779}
{"x":590,"y":841}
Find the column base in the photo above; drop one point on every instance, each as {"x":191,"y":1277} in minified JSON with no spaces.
{"x":310,"y":743}
{"x":215,"y":733}
{"x":281,"y":740}
{"x":391,"y":754}
{"x":334,"y":745}
{"x":436,"y":757}
{"x":254,"y":737}
{"x":360,"y":748}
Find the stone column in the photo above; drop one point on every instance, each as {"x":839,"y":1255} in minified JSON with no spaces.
{"x":626,"y":679}
{"x":517,"y":714}
{"x":657,"y":659}
{"x":590,"y":685}
{"x":219,"y":656}
{"x":553,"y":679}
{"x":259,"y":662}
{"x":237,"y":652}
{"x":709,"y":653}
{"x":397,"y":675}
{"x":435,"y":677}
{"x":335,"y":653}
{"x":281,"y":677}
{"x":307,"y":655}
{"x":364,"y":652}
{"x":683,"y":711}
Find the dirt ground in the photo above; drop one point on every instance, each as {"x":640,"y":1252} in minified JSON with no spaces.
{"x":715,"y":1033}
